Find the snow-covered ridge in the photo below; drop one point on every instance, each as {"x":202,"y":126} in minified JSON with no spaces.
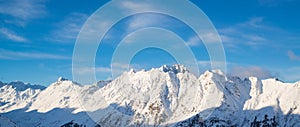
{"x":177,"y":68}
{"x":165,"y":96}
{"x":16,"y":95}
{"x":21,"y":86}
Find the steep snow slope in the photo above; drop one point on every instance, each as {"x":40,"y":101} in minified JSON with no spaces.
{"x":158,"y":96}
{"x":60,"y":104}
{"x":275,"y":93}
{"x":60,"y":94}
{"x":276,"y":99}
{"x":17,"y":95}
{"x":253,"y":102}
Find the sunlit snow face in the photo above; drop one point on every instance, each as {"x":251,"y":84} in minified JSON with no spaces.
{"x":140,"y":35}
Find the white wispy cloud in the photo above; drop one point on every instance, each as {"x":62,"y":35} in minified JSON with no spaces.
{"x":120,"y":65}
{"x":142,"y":21}
{"x":135,"y":6}
{"x":210,"y":37}
{"x":17,"y":13}
{"x":117,"y":67}
{"x":255,"y":22}
{"x":193,"y":41}
{"x":248,"y":33}
{"x":23,"y":9}
{"x":15,"y":22}
{"x":85,"y":70}
{"x":12,"y":35}
{"x":67,"y":30}
{"x":293,"y":56}
{"x":149,"y":20}
{"x":18,"y":55}
{"x":247,"y":71}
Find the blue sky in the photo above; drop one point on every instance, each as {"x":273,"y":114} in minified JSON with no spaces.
{"x":37,"y":37}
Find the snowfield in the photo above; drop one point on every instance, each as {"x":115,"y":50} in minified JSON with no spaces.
{"x":165,"y":96}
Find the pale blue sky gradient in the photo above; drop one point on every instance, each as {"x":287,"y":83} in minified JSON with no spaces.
{"x":37,"y":37}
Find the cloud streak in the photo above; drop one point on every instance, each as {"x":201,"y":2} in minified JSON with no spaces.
{"x":18,"y":13}
{"x":67,"y":30}
{"x":247,"y":33}
{"x":293,"y":56}
{"x":23,"y":9}
{"x":244,"y":72}
{"x":210,"y":38}
{"x":17,"y":55}
{"x":12,"y":36}
{"x":85,"y":70}
{"x":135,"y":6}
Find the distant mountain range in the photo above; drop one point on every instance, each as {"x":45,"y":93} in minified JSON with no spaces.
{"x":165,"y":96}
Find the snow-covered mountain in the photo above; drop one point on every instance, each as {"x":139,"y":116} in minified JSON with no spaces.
{"x":17,"y":94}
{"x":165,"y":96}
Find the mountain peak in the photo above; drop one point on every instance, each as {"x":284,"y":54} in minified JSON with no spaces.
{"x":176,"y":68}
{"x":211,"y":73}
{"x":60,"y":79}
{"x":63,"y":82}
